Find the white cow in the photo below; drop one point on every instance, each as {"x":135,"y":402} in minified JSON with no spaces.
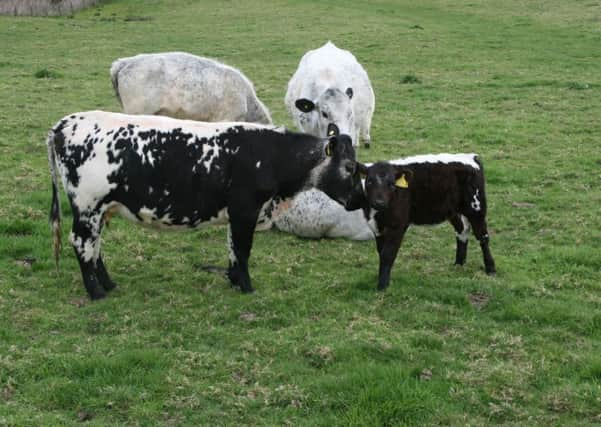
{"x":329,"y":92}
{"x":185,"y":86}
{"x":331,"y":88}
{"x":310,"y":214}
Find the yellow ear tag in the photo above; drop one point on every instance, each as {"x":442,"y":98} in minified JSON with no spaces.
{"x":402,"y":182}
{"x":328,"y":151}
{"x":332,"y":132}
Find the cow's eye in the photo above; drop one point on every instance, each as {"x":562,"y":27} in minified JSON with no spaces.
{"x":325,"y":115}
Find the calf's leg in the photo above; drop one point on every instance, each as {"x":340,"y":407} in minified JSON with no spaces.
{"x":462,"y":230}
{"x":481,"y":232}
{"x":388,"y":245}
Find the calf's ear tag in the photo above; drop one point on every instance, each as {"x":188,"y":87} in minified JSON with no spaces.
{"x":328,"y":150}
{"x":332,"y":132}
{"x":402,"y":182}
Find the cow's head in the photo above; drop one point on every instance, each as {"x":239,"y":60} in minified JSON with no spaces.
{"x":382,"y":181}
{"x":339,"y":178}
{"x":332,"y":107}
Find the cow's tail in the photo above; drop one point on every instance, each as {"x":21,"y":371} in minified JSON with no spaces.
{"x":55,"y":208}
{"x":115,"y":68}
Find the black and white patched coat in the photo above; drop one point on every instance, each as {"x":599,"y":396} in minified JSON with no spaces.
{"x":181,"y":174}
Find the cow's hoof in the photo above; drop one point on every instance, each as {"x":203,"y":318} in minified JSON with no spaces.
{"x":109,"y":286}
{"x":367,"y":145}
{"x":97,"y":294}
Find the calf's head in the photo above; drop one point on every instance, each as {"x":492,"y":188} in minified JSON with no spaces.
{"x":383,"y":181}
{"x":339,"y":177}
{"x":332,"y":107}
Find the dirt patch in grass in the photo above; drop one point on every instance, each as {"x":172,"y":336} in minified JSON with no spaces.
{"x":478,"y":299}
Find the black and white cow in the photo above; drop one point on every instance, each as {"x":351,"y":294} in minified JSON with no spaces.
{"x":181,"y":174}
{"x":426,"y":189}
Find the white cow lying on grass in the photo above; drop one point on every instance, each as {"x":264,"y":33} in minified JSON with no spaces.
{"x":331,"y":87}
{"x":185,"y":86}
{"x":310,"y":214}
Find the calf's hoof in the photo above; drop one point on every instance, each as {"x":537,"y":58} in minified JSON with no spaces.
{"x":490,"y":269}
{"x":382,"y":286}
{"x":367,"y":144}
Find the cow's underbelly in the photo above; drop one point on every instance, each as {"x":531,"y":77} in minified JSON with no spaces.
{"x":165,"y":219}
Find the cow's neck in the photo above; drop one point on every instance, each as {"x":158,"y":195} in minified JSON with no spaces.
{"x":299,"y":169}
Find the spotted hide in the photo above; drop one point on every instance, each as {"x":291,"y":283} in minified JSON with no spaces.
{"x":179,"y":174}
{"x":422,"y":190}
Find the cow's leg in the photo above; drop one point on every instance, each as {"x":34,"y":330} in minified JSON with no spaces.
{"x":388,"y":245}
{"x":85,"y":238}
{"x":481,"y":232}
{"x":365,"y":135}
{"x":462,"y":231}
{"x":240,"y":240}
{"x":103,"y":275}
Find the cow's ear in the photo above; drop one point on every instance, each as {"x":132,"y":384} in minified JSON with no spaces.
{"x":362,"y":169}
{"x":403,"y":177}
{"x":331,"y":146}
{"x":333,"y":130}
{"x":304,"y":105}
{"x":349,"y":92}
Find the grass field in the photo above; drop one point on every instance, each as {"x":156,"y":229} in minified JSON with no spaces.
{"x":518,"y":82}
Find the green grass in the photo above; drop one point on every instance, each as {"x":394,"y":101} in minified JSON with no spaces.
{"x":517,"y":82}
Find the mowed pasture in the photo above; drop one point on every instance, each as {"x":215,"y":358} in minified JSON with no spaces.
{"x":517,"y":82}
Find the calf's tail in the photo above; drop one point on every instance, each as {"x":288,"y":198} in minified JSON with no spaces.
{"x":55,"y":209}
{"x":481,"y":184}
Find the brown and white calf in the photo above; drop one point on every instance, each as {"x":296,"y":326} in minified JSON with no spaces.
{"x":426,"y":189}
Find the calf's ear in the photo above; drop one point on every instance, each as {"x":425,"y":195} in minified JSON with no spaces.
{"x":304,"y":105}
{"x":403,"y":177}
{"x":349,"y":92}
